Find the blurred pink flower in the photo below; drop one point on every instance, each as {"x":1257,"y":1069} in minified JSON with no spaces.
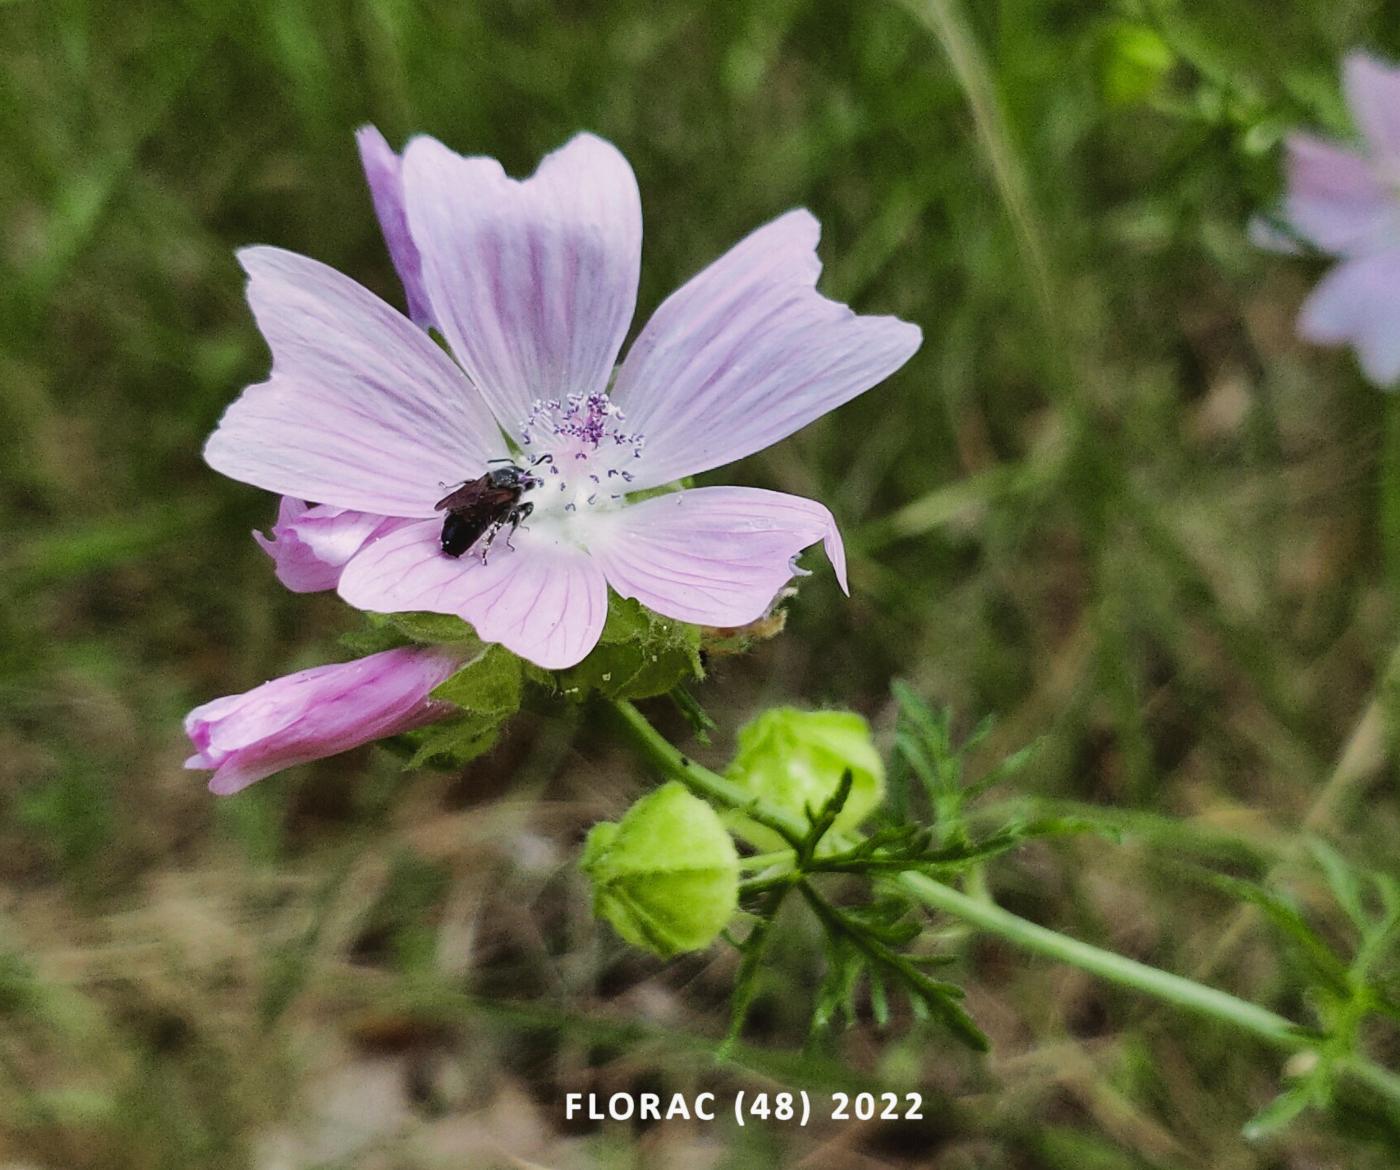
{"x":533,"y":283}
{"x":316,"y":713}
{"x":1346,"y":201}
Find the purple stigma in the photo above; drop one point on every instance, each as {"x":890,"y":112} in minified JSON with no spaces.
{"x":582,"y":431}
{"x":587,"y":419}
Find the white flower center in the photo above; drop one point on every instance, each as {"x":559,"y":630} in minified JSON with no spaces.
{"x":580,"y":453}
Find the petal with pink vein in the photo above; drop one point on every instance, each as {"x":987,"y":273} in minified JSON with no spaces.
{"x":310,"y":545}
{"x":715,"y":556}
{"x":383,"y":173}
{"x":748,"y":352}
{"x":533,"y":283}
{"x":362,"y":409}
{"x":544,"y":600}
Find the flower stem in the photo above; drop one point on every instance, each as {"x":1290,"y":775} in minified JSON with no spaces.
{"x":1163,"y":985}
{"x":1267,"y":1025}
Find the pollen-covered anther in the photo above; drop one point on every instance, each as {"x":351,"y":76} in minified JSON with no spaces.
{"x":588,"y":419}
{"x":584,"y":431}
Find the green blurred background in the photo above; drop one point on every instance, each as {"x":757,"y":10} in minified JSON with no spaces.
{"x":1112,"y":501}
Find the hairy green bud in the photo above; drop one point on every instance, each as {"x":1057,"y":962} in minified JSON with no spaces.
{"x":666,"y":877}
{"x":793,"y":761}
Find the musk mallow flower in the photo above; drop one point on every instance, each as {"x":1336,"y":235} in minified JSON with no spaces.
{"x":532,"y":285}
{"x":1345,"y":200}
{"x":317,"y":713}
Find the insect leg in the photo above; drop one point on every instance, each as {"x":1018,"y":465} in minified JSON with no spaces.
{"x":490,"y":536}
{"x":514,"y":518}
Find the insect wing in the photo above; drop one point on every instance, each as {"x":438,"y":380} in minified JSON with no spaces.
{"x":472,"y":509}
{"x":466,"y":496}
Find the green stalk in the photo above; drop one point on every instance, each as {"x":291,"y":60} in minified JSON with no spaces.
{"x":1163,"y":985}
{"x":1199,"y":998}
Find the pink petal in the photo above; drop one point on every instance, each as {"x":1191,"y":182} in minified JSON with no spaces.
{"x":309,"y":546}
{"x":532,"y":282}
{"x":383,"y":173}
{"x":362,"y":409}
{"x":543,"y":600}
{"x":1373,"y":93}
{"x":316,"y":713}
{"x":1358,"y":302}
{"x":715,"y":556}
{"x":748,"y":352}
{"x":1335,"y":199}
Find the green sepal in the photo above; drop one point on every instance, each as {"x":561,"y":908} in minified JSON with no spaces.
{"x":666,"y":876}
{"x":454,"y":742}
{"x":488,"y":691}
{"x":490,"y":683}
{"x":793,"y":761}
{"x":640,"y":654}
{"x":430,"y":628}
{"x":385,"y":631}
